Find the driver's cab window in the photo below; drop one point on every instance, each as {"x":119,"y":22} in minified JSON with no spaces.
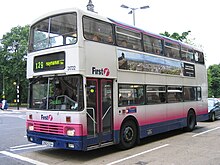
{"x":57,"y":93}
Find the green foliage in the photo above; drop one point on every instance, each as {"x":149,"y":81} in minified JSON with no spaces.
{"x":13,"y":63}
{"x":214,"y":80}
{"x":177,"y":36}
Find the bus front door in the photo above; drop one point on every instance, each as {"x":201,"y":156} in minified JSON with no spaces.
{"x":99,"y":111}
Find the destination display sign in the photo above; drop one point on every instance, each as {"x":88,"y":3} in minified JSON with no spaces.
{"x":54,"y":61}
{"x":189,"y":70}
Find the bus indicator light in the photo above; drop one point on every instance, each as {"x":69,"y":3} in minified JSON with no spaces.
{"x":30,"y":117}
{"x":68,"y":119}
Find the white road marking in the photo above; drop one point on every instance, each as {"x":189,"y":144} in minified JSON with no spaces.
{"x":8,"y":112}
{"x":206,"y":131}
{"x":25,"y":145}
{"x":27,"y":148}
{"x":141,"y":153}
{"x":22,"y":158}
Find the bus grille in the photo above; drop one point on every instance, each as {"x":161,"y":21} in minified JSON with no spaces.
{"x":51,"y":128}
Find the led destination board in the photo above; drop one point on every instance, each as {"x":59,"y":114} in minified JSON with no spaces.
{"x":55,"y":61}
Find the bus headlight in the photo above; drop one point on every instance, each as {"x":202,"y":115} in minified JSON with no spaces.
{"x":70,"y":132}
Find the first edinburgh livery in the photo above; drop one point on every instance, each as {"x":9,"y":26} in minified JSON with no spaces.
{"x":96,"y":82}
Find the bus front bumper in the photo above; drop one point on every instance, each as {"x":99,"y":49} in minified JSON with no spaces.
{"x":57,"y":141}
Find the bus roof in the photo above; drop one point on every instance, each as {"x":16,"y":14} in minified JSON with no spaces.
{"x":69,"y":10}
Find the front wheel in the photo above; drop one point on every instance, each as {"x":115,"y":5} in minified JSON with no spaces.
{"x":191,"y":121}
{"x":128,"y":135}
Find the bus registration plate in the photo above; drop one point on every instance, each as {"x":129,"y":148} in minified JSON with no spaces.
{"x":47,"y":143}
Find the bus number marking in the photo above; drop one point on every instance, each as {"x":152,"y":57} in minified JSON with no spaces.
{"x":71,"y":68}
{"x":39,"y":65}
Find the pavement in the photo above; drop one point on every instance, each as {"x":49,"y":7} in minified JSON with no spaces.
{"x":14,"y":109}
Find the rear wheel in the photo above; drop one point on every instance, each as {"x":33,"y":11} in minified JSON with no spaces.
{"x":191,"y":121}
{"x":212,"y":118}
{"x":128,"y":135}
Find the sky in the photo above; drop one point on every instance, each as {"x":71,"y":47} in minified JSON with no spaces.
{"x":199,"y":16}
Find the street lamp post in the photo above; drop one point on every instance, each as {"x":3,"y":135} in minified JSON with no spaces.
{"x":15,"y":45}
{"x":132,"y":10}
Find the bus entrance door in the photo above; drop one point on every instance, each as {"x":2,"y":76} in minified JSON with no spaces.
{"x":99,"y":111}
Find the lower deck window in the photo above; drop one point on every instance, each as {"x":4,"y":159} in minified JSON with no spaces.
{"x":156,"y":94}
{"x":131,"y":95}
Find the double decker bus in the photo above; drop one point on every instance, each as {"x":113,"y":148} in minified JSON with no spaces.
{"x":96,"y":82}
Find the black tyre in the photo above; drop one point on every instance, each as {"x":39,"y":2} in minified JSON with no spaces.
{"x":212,"y":117}
{"x":128,"y":135}
{"x":191,"y":121}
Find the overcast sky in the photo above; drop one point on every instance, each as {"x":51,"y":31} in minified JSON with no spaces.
{"x":199,"y":16}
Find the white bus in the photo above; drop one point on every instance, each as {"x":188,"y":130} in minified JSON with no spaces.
{"x":96,"y":82}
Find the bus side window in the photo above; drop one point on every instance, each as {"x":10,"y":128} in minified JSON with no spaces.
{"x":128,"y":38}
{"x":189,"y":94}
{"x":174,"y":94}
{"x":155,"y":94}
{"x":130,"y":95}
{"x":152,"y":45}
{"x":97,"y":30}
{"x":187,"y":54}
{"x":172,"y":49}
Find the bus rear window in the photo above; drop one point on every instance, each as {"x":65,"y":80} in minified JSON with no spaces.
{"x":199,"y":57}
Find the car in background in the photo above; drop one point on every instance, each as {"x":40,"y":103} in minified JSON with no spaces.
{"x":213,"y":108}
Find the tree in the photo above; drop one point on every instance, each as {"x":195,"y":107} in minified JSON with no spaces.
{"x":214,"y":80}
{"x":210,"y":91}
{"x":13,"y":62}
{"x":177,"y":36}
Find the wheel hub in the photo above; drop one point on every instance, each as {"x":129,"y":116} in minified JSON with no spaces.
{"x":128,"y":134}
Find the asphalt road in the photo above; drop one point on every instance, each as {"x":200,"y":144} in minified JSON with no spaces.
{"x":202,"y":147}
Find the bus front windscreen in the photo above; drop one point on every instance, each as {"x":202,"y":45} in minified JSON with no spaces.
{"x":53,"y":31}
{"x":56,"y":93}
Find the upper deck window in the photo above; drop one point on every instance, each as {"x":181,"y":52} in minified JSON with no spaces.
{"x":97,"y":30}
{"x":128,"y":38}
{"x":172,"y":50}
{"x":53,"y":31}
{"x":187,"y":54}
{"x":152,"y":45}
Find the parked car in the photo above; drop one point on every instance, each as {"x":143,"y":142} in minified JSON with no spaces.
{"x":213,"y":108}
